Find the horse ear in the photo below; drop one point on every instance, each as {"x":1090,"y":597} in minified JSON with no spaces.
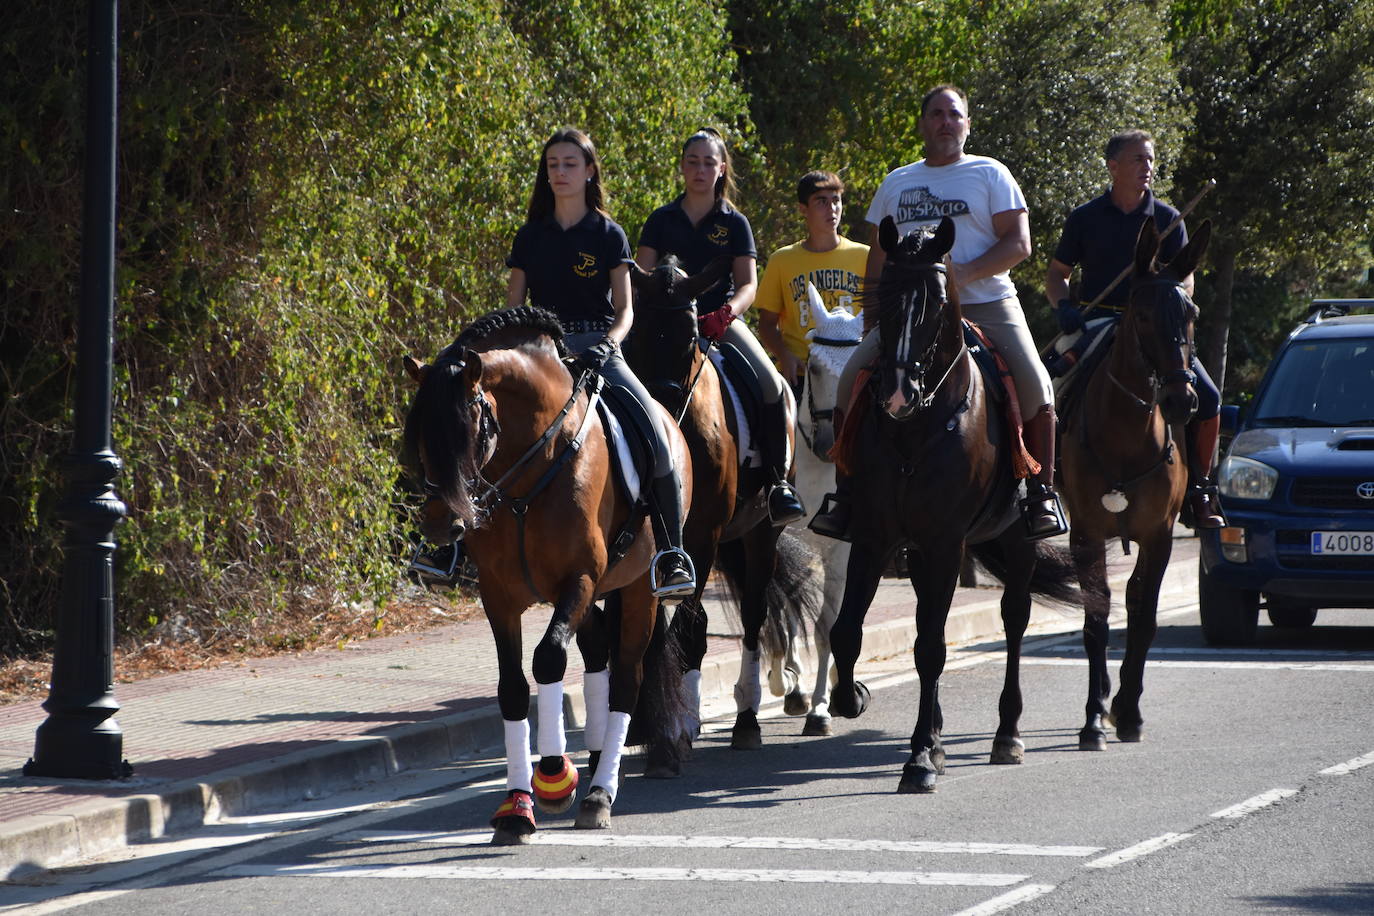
{"x":943,"y":239}
{"x":1187,"y":260}
{"x":415,"y":369}
{"x":1146,"y":245}
{"x":638,"y":274}
{"x":887,"y":235}
{"x":472,"y":368}
{"x":712,"y":274}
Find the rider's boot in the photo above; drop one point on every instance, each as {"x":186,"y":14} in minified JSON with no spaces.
{"x":1202,"y":507}
{"x":1041,"y":513}
{"x":837,"y":510}
{"x":672,"y":575}
{"x":784,"y":505}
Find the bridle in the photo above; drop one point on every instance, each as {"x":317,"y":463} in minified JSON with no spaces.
{"x":826,"y":414}
{"x":1180,"y":340}
{"x":675,"y":388}
{"x":901,"y":361}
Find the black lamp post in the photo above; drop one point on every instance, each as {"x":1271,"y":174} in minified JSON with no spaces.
{"x":80,"y":738}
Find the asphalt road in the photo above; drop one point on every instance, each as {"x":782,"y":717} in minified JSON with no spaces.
{"x":1253,"y":791}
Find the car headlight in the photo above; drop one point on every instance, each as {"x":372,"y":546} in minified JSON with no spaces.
{"x":1245,"y":478}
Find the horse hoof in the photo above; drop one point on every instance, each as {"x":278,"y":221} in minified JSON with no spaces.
{"x":1129,"y":734}
{"x":795,"y":704}
{"x":595,"y":813}
{"x":1092,"y":739}
{"x":852,"y":703}
{"x":513,"y":821}
{"x":555,"y":792}
{"x":918,"y":775}
{"x":746,"y":735}
{"x":1008,"y":750}
{"x":816,"y":726}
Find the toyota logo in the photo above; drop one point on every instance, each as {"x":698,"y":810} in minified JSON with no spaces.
{"x":1365,"y":490}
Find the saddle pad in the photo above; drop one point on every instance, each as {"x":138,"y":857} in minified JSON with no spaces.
{"x":1063,"y":342}
{"x":626,"y":473}
{"x":748,"y":451}
{"x":1023,"y":464}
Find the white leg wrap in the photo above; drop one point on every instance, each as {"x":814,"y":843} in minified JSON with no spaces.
{"x":596,"y":692}
{"x":608,"y":770}
{"x":551,"y":739}
{"x":519,"y":767}
{"x":748,"y":690}
{"x":691,"y":692}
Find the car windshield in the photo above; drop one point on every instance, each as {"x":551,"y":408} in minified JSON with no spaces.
{"x":1320,"y":383}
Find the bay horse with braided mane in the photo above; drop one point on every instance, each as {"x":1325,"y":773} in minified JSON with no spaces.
{"x":1124,"y":477}
{"x":932,"y":465}
{"x":773,"y":575}
{"x":512,"y":451}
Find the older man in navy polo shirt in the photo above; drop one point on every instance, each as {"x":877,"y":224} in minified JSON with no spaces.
{"x":1100,"y":237}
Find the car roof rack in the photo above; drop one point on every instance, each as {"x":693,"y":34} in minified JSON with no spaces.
{"x":1321,"y":309}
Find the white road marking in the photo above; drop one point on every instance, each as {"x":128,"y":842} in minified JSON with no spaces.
{"x":1138,"y":850}
{"x":1218,"y":663}
{"x":1350,"y":766}
{"x":669,"y":841}
{"x":1011,"y":899}
{"x":503,"y":873}
{"x":1251,"y":805}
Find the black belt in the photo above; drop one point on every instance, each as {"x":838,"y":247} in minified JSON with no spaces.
{"x":585,"y":326}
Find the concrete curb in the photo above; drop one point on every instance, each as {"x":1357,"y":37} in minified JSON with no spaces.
{"x":45,"y":841}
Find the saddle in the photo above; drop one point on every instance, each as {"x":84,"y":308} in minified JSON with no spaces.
{"x":1069,"y":387}
{"x":742,"y":384}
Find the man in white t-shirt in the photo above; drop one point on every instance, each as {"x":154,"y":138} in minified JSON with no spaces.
{"x":992,"y":235}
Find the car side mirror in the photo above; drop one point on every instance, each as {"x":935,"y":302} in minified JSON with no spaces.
{"x":1230,"y":419}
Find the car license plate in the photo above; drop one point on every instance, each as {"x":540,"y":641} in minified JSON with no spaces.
{"x":1343,"y":543}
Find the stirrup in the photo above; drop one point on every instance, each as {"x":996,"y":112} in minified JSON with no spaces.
{"x":1043,"y":498}
{"x":672,"y":589}
{"x":824,"y":522}
{"x":784,"y":504}
{"x":437,"y":564}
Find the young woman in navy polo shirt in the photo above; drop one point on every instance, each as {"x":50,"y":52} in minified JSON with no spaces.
{"x":571,"y":258}
{"x":699,"y":226}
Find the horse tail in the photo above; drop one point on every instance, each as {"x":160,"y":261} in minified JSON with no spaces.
{"x":662,"y":710}
{"x":1055,"y":578}
{"x":440,"y":424}
{"x":793,"y":597}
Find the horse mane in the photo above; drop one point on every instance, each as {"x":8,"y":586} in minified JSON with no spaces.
{"x":508,"y":321}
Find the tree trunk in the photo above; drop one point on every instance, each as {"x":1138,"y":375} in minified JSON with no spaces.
{"x":1213,"y":355}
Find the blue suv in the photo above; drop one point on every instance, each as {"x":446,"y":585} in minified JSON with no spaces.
{"x":1297,"y":484}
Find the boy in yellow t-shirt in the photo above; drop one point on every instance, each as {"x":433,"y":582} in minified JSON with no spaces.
{"x":825,"y":259}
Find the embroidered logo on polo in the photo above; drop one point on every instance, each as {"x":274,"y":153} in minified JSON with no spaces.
{"x":588,"y":266}
{"x":719,"y":234}
{"x":918,"y":205}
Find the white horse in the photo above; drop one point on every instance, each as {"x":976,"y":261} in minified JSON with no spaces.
{"x":833,"y":339}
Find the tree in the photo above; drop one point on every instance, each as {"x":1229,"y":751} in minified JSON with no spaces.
{"x":1283,"y":92}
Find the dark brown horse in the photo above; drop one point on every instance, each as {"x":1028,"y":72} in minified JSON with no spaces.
{"x":512,"y":452}
{"x":1125,"y":477}
{"x":932,"y":467}
{"x":772,"y":575}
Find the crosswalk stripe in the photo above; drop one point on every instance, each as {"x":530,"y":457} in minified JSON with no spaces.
{"x":1010,"y":900}
{"x":1251,"y":805}
{"x":669,"y":841}
{"x":502,"y":873}
{"x":1138,"y":850}
{"x":1350,"y":766}
{"x":1217,"y":663}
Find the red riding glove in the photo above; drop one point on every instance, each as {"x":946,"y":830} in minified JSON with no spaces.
{"x":712,"y":325}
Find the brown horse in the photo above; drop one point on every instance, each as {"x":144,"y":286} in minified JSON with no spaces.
{"x":1124,"y":477}
{"x":932,"y":469}
{"x":512,"y":452}
{"x":773,"y":576}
